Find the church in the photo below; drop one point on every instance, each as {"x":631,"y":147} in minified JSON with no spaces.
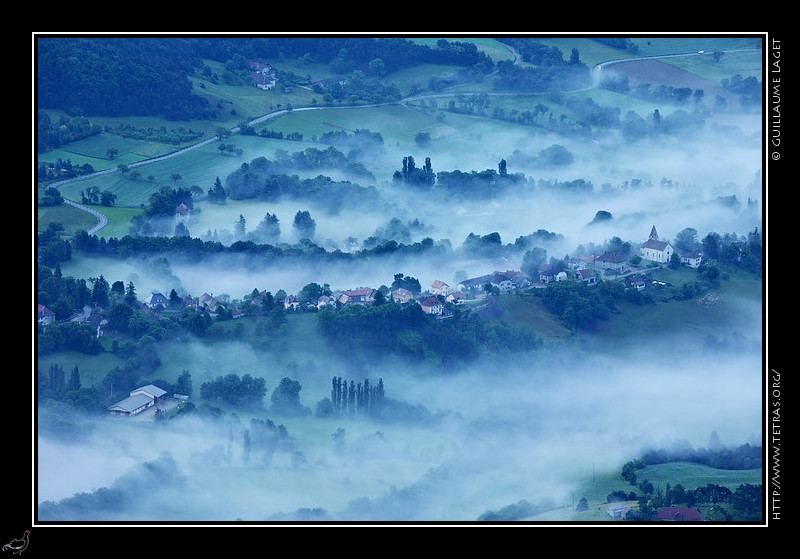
{"x":655,"y":250}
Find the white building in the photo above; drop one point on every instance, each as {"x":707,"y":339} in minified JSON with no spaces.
{"x":691,"y":258}
{"x":655,"y":250}
{"x":139,"y":400}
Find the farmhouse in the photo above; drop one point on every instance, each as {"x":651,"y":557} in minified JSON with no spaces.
{"x":691,"y":258}
{"x":678,"y":514}
{"x":610,"y":260}
{"x":655,"y":250}
{"x":585,"y":275}
{"x":618,"y":512}
{"x":139,"y":400}
{"x":261,"y":74}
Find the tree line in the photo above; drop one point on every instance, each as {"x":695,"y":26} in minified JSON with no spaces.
{"x":342,"y":53}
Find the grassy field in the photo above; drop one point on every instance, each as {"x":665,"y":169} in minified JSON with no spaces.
{"x":72,"y":219}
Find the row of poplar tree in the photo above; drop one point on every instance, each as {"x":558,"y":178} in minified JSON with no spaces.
{"x":356,"y":399}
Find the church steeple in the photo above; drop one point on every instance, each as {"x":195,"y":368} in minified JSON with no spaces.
{"x":653,"y":234}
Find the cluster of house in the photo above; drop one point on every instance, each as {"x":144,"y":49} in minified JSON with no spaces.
{"x":653,"y":249}
{"x":432,"y":300}
{"x":262,"y":74}
{"x":588,"y":268}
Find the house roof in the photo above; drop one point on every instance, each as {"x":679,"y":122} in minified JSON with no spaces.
{"x":131,"y":403}
{"x":150,"y":389}
{"x":156,"y":298}
{"x":610,"y":256}
{"x":181,"y":209}
{"x":480,"y":280}
{"x":430,"y":302}
{"x":44,"y":311}
{"x":366,"y":291}
{"x":439,"y":283}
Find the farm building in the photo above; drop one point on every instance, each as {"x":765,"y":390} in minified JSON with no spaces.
{"x":139,"y":400}
{"x":618,"y":512}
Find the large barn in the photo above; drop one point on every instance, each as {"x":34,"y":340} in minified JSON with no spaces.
{"x":139,"y":400}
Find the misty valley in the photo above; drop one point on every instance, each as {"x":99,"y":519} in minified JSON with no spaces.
{"x":323,"y":280}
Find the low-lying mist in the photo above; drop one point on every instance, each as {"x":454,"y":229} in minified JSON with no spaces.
{"x":530,"y":427}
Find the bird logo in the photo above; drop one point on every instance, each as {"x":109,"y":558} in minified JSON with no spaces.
{"x":18,"y":545}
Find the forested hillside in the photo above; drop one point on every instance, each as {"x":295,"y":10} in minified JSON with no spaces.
{"x":115,"y":77}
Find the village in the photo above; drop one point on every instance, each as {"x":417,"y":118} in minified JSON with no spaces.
{"x":435,"y":299}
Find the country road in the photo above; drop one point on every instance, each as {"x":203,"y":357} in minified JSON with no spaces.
{"x":102,"y":220}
